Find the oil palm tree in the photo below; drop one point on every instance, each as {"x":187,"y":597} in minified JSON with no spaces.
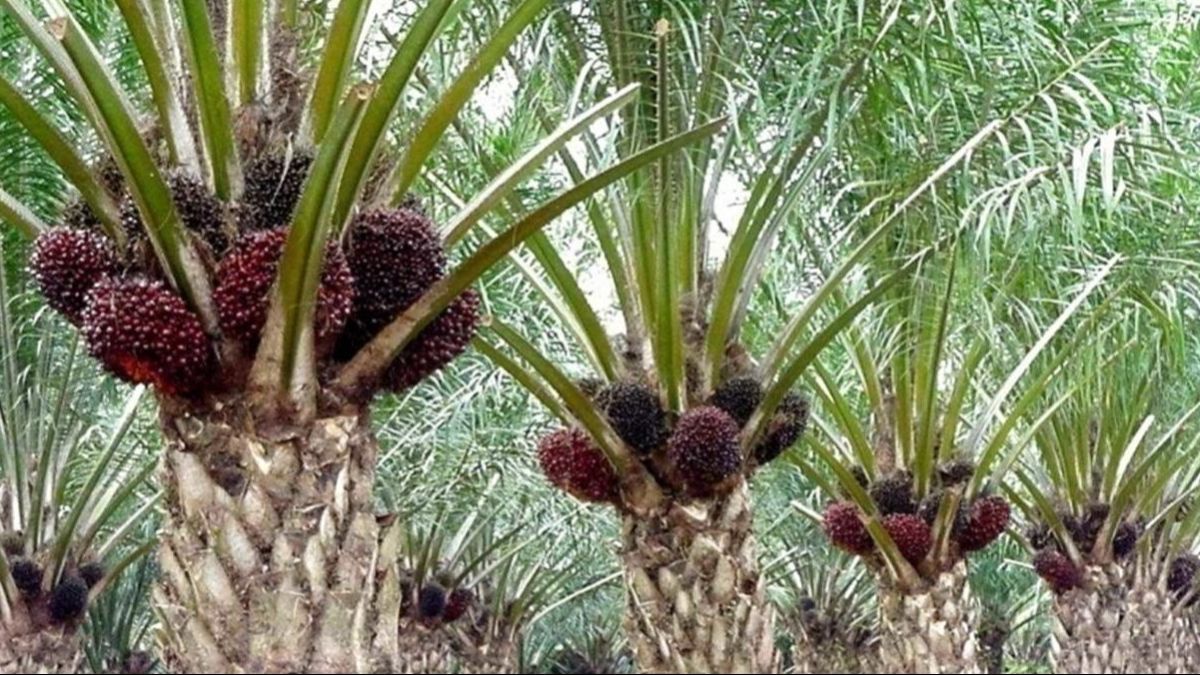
{"x":669,"y":420}
{"x":915,"y":489}
{"x":72,"y":493}
{"x":1106,"y":495}
{"x":255,"y":254}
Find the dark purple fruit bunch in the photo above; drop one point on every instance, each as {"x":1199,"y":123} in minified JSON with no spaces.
{"x":636,"y":414}
{"x":431,"y":602}
{"x":143,"y":333}
{"x":68,"y":600}
{"x":457,"y":604}
{"x":987,"y":521}
{"x":395,"y":256}
{"x":704,"y":448}
{"x":1125,"y":538}
{"x":442,"y":341}
{"x":66,"y":263}
{"x":956,"y":472}
{"x":245,"y":278}
{"x":273,"y":184}
{"x":77,"y":215}
{"x":738,"y":396}
{"x":911,"y":535}
{"x":1181,"y":577}
{"x":1057,"y":570}
{"x":844,"y":526}
{"x":573,"y":463}
{"x":199,"y":211}
{"x":894,"y":494}
{"x":27,"y":576}
{"x":783,"y":429}
{"x":91,"y":573}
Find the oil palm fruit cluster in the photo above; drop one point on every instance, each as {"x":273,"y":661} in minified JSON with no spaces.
{"x":141,"y":330}
{"x":915,"y":467}
{"x":909,"y":518}
{"x":1111,"y":538}
{"x":697,"y":453}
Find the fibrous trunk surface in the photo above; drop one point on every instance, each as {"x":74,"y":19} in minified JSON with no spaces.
{"x":273,"y":559}
{"x":1117,"y":623}
{"x":828,"y":656}
{"x":930,"y":631}
{"x":52,"y":650}
{"x":696,"y":602}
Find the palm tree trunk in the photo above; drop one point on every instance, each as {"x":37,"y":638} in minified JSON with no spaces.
{"x":272,"y":558}
{"x":1117,"y":624}
{"x":24,"y":649}
{"x":452,"y":649}
{"x":696,"y":602}
{"x":931,"y":631}
{"x":829,"y":656}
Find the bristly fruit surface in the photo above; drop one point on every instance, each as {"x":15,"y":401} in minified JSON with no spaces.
{"x":395,"y":256}
{"x":26,"y":575}
{"x":66,"y":263}
{"x":785,"y":427}
{"x":843,"y":525}
{"x":431,"y":602}
{"x":738,"y":396}
{"x":68,"y":600}
{"x":143,"y":333}
{"x":458,"y":604}
{"x":1181,"y":577}
{"x":573,"y":463}
{"x":245,"y":278}
{"x":437,"y":345}
{"x":1057,"y":570}
{"x":704,"y":448}
{"x":910,"y":534}
{"x":273,"y":184}
{"x":636,"y":414}
{"x":988,"y":520}
{"x":894,"y":494}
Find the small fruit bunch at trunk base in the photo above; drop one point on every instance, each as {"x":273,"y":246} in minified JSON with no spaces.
{"x":913,"y":523}
{"x":697,"y":453}
{"x":49,"y":601}
{"x":141,"y":328}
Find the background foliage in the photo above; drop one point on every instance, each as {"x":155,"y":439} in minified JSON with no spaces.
{"x":1095,"y":154}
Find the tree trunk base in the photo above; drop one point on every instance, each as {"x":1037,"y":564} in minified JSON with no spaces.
{"x":696,"y":602}
{"x":53,"y":650}
{"x":933,"y":631}
{"x":1115,"y":624}
{"x":826,"y":656}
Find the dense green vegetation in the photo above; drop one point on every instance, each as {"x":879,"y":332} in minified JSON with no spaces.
{"x":984,"y":214}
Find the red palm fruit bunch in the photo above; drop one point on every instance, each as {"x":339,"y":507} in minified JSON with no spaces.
{"x":697,"y":453}
{"x":1083,"y":529}
{"x":910,"y":519}
{"x":140,"y":328}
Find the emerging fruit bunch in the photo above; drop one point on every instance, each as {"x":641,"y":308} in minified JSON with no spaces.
{"x":697,"y":453}
{"x":142,"y":331}
{"x":911,"y":522}
{"x":436,"y":606}
{"x":65,"y":599}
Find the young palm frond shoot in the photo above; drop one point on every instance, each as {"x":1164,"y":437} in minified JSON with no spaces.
{"x":1107,"y":495}
{"x":70,"y":496}
{"x":254,"y":255}
{"x":916,"y":489}
{"x":830,"y":614}
{"x":468,"y":592}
